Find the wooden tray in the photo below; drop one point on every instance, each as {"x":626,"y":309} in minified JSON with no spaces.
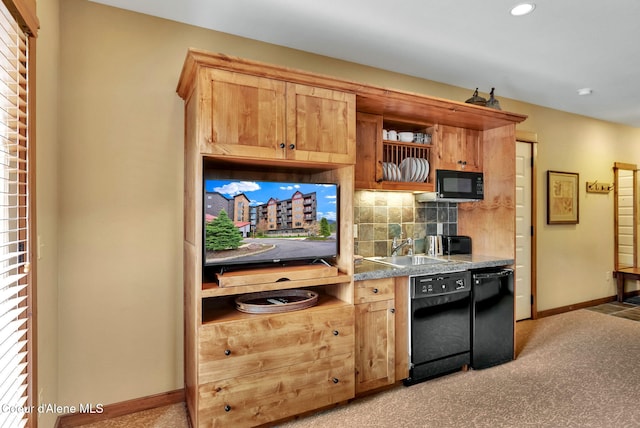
{"x":274,"y":274}
{"x":276,"y":301}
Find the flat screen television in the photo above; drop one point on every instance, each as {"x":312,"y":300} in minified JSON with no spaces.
{"x":257,"y":222}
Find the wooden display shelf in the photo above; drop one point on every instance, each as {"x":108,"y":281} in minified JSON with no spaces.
{"x":212,"y":289}
{"x":221,"y":310}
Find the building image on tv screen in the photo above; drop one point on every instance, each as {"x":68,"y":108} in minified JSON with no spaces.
{"x":266,"y":222}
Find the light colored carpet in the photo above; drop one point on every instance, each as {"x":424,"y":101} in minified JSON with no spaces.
{"x":578,"y":369}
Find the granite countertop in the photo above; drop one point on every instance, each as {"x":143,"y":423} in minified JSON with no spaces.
{"x":367,"y":269}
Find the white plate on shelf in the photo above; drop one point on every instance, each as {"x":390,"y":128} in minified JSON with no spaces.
{"x":425,"y":170}
{"x":419,"y":166}
{"x":414,"y":169}
{"x":389,"y":171}
{"x":406,"y":169}
{"x":397,"y":175}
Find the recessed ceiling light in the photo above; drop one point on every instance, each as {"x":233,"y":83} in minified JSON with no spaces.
{"x":522,"y":9}
{"x":585,"y":91}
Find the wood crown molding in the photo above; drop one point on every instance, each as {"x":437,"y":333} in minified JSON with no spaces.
{"x":391,"y":103}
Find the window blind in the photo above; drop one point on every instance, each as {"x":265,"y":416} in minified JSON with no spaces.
{"x":15,"y":290}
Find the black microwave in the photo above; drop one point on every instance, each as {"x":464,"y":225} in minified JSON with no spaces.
{"x":459,"y":186}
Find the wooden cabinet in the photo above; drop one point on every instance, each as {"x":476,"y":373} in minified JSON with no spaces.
{"x":375,"y":334}
{"x":241,"y":119}
{"x":381,"y":163}
{"x":242,"y":115}
{"x":250,"y":120}
{"x":249,"y":116}
{"x":320,"y":125}
{"x":368,"y":174}
{"x":252,"y":369}
{"x":251,"y":365}
{"x":458,"y":148}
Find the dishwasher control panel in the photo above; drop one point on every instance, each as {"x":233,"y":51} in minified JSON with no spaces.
{"x":446,"y":283}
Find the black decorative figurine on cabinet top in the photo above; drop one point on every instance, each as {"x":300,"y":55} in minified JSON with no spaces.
{"x":492,"y":102}
{"x":477,"y":99}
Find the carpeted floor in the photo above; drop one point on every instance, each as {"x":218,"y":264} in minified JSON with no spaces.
{"x":578,"y":369}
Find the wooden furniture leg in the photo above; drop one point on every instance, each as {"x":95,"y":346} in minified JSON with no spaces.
{"x":620,"y":281}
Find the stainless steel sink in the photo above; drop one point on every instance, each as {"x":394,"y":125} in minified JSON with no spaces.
{"x":404,"y":261}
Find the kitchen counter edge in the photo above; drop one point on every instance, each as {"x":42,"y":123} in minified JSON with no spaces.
{"x":366,"y":269}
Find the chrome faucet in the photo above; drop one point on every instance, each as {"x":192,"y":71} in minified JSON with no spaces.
{"x":395,"y":246}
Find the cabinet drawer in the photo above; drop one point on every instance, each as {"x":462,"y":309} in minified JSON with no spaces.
{"x":259,"y":398}
{"x":374,"y":290}
{"x":264,"y":342}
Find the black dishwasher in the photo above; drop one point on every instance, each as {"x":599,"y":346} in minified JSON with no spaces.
{"x":439,"y":325}
{"x":492,"y":317}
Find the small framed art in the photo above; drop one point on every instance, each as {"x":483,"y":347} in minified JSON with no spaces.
{"x":562,"y":198}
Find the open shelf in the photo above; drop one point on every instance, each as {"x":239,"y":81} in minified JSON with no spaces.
{"x":222,"y":310}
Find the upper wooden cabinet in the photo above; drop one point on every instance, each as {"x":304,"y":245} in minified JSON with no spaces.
{"x":458,"y":148}
{"x":242,"y":115}
{"x":320,"y":125}
{"x":369,"y":147}
{"x":461,"y":134}
{"x":251,"y":116}
{"x":391,"y":165}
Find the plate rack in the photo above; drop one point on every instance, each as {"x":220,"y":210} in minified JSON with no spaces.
{"x":395,"y":152}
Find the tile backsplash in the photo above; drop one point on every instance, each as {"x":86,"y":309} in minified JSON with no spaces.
{"x":381,"y":216}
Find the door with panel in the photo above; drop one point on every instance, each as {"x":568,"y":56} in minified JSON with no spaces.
{"x":523,"y":271}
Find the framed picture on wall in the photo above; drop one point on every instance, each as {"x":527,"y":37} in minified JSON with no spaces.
{"x":562,"y":197}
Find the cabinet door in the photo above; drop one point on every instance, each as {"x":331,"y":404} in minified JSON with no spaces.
{"x":473,"y":150}
{"x":242,"y":115}
{"x":320,"y":125}
{"x":375,"y":345}
{"x":458,"y":148}
{"x":369,"y":146}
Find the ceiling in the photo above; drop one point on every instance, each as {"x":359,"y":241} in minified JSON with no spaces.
{"x":543,"y":58}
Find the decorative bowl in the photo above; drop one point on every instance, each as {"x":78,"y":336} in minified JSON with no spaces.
{"x":405,"y":137}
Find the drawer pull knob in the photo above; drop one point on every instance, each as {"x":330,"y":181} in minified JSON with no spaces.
{"x":335,"y":380}
{"x":375,"y":291}
{"x":282,"y":145}
{"x":292,"y":146}
{"x":227,"y":352}
{"x":227,"y":408}
{"x":336,"y":332}
{"x":393,"y":311}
